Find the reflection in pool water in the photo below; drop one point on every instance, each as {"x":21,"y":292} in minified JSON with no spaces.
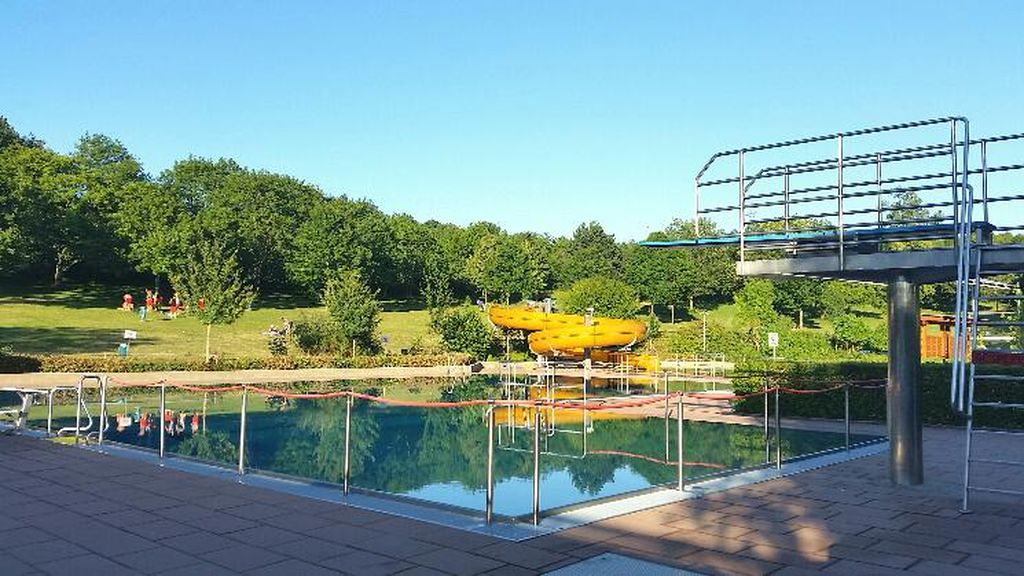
{"x":440,"y":454}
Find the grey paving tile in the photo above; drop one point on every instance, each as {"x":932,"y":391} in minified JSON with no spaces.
{"x":312,"y":549}
{"x":456,"y":562}
{"x":366,"y":564}
{"x":242,"y":558}
{"x":198,"y":542}
{"x":292,"y":567}
{"x":264,"y":536}
{"x":88,"y":564}
{"x":39,"y":552}
{"x":156,"y":559}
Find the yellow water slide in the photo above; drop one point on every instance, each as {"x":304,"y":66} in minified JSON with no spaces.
{"x":568,"y":334}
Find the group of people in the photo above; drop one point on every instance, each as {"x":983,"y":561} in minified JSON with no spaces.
{"x":174,"y":423}
{"x":155,"y":303}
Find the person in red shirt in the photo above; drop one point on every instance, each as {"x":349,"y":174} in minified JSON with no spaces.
{"x":127,"y":302}
{"x":150,"y":300}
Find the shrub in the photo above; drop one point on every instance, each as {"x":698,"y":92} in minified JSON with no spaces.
{"x":852,"y":333}
{"x":74,"y":363}
{"x":277,"y":345}
{"x":353,"y":308}
{"x":464,"y":329}
{"x":316,"y":335}
{"x":869,"y":404}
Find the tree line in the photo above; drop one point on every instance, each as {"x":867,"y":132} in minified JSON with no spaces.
{"x":95,"y":214}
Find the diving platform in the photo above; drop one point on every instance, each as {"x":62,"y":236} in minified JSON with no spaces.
{"x":901,"y":205}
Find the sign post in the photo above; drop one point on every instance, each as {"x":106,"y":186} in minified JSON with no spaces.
{"x":773,"y":343}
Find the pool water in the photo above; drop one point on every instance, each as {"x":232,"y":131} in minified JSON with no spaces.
{"x":439,"y":455}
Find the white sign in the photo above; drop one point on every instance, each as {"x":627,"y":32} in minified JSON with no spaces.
{"x":131,"y":335}
{"x":773,"y":339}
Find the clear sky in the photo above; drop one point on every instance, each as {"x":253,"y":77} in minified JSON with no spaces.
{"x":534,"y":115}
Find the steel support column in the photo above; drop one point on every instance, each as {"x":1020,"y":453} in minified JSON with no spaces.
{"x":903,"y":392}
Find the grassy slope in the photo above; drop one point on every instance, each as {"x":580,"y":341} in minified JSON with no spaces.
{"x":86,"y":320}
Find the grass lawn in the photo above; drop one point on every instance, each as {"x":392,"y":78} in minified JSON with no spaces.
{"x":85,"y":319}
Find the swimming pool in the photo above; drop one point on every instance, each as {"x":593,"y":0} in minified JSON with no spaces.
{"x":438,"y":456}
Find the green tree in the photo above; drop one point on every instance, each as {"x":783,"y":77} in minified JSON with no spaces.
{"x":607,"y":296}
{"x":342,"y":235}
{"x":213,"y":285}
{"x":799,"y":297}
{"x":353,"y":308}
{"x":590,"y":252}
{"x":507,"y":266}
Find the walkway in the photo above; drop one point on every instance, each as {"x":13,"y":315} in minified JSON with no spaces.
{"x":76,"y":512}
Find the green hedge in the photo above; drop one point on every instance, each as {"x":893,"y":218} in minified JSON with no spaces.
{"x":15,"y":364}
{"x":869,"y":404}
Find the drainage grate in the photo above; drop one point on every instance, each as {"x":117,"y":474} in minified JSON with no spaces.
{"x":609,"y":564}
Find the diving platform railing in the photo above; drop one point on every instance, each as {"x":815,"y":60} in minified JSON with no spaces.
{"x":859,"y":191}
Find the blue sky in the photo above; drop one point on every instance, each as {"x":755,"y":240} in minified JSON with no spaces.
{"x":534,"y":115}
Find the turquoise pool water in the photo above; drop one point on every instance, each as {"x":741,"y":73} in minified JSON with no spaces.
{"x":439,"y":455}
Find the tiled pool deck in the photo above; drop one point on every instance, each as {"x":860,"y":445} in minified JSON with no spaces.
{"x":71,"y":511}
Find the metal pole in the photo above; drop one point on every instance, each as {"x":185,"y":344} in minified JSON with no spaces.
{"x":903,"y":392}
{"x":767,"y":434}
{"x":839,"y":196}
{"x":878,"y":181}
{"x":348,"y":443}
{"x":49,"y":413}
{"x":241,"y":431}
{"x":743,"y":210}
{"x":78,"y":412}
{"x":785,"y":199}
{"x":160,"y":419}
{"x":103,"y":409}
{"x":984,"y":179}
{"x":490,"y":461}
{"x":680,"y":450}
{"x":965,"y":504}
{"x":778,"y":432}
{"x":846,"y":411}
{"x":668,"y":414}
{"x":536,"y":464}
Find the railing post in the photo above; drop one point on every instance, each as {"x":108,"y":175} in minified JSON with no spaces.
{"x":846,"y":411}
{"x":78,"y":411}
{"x":778,"y":432}
{"x":839,"y":196}
{"x":160,"y":418}
{"x":743,"y":210}
{"x":785,"y":199}
{"x":241,"y":431}
{"x":536,"y":463}
{"x":490,"y":461}
{"x":348,"y":443}
{"x":49,"y":412}
{"x":103,"y":410}
{"x":878,"y":183}
{"x":767,"y":434}
{"x":680,"y":447}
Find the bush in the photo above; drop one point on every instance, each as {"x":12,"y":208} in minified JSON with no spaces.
{"x":688,"y":338}
{"x":316,"y":335}
{"x":277,"y":345}
{"x":852,"y":333}
{"x":74,"y":363}
{"x":464,"y":329}
{"x":354,"y":310}
{"x":869,"y":404}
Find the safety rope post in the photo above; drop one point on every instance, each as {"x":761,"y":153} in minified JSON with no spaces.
{"x":680,"y":447}
{"x":103,"y":410}
{"x":241,"y":433}
{"x":536,"y":464}
{"x":160,"y":419}
{"x":490,"y":462}
{"x":767,"y":434}
{"x":778,"y":432}
{"x":49,"y":412}
{"x":348,"y":440}
{"x":78,"y":411}
{"x":846,"y":411}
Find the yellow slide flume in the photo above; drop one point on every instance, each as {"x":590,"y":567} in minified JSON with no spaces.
{"x":567,"y":334}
